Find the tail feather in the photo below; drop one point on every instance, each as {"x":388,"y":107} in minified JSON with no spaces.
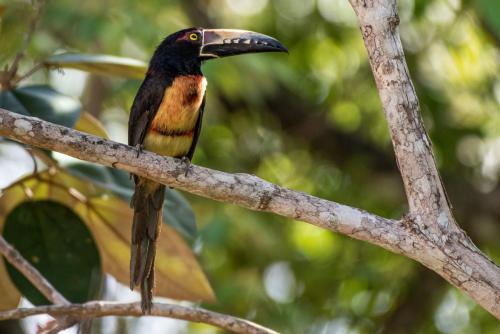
{"x":147,"y":203}
{"x":147,"y":292}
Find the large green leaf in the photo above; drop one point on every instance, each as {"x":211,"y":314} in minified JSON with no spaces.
{"x":176,"y":209}
{"x":58,"y":243}
{"x":109,"y":219}
{"x":100,"y":64}
{"x":42,"y":101}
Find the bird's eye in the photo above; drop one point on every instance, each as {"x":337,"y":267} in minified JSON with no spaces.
{"x":193,"y":37}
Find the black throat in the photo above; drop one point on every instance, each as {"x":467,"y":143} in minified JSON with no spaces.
{"x":175,"y":60}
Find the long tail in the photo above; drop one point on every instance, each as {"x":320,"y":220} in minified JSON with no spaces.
{"x":147,"y":203}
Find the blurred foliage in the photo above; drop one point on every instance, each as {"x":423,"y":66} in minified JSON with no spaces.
{"x":312,"y":122}
{"x":42,"y":101}
{"x":108,"y":218}
{"x":100,"y":64}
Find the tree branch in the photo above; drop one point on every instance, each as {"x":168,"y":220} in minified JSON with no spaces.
{"x":457,"y":261}
{"x":245,"y":190}
{"x":96,"y":309}
{"x":427,"y":198}
{"x":460,"y":262}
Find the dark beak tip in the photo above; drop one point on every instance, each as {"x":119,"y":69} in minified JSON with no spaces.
{"x":279,"y":47}
{"x":229,"y":42}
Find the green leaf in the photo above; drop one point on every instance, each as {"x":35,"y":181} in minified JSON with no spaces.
{"x":100,"y":64}
{"x":177,"y":211}
{"x":48,"y":104}
{"x":43,"y":102}
{"x":10,"y":102}
{"x":56,"y":242}
{"x":109,"y":218}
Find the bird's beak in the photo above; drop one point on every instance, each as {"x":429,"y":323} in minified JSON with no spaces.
{"x":229,"y":42}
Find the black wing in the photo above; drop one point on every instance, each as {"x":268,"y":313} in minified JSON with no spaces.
{"x":144,"y":108}
{"x":197,"y":129}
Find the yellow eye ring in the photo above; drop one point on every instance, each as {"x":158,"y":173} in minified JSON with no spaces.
{"x":193,"y":37}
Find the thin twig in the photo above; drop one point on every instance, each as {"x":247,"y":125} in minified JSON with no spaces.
{"x":96,"y":309}
{"x":11,"y":73}
{"x":29,"y":73}
{"x":50,"y":162}
{"x":31,"y":273}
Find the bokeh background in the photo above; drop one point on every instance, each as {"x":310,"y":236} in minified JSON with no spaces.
{"x":311,"y":121}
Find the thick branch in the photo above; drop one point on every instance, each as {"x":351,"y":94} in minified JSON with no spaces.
{"x":249,"y":191}
{"x":101,"y":309}
{"x":379,"y":23}
{"x":245,"y":190}
{"x":31,"y":273}
{"x":430,"y":210}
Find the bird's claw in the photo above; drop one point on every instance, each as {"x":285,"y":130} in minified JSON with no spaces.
{"x":187,"y":165}
{"x":139,"y":148}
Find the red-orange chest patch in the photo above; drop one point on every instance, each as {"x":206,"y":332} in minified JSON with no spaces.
{"x":181,"y":102}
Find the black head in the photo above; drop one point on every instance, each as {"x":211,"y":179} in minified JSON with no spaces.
{"x":187,"y":48}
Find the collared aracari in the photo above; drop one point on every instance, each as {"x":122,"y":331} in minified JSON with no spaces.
{"x":166,"y":119}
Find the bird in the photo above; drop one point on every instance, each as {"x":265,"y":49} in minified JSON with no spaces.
{"x":166,"y":117}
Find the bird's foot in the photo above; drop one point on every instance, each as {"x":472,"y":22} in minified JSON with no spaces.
{"x":139,"y":148}
{"x":187,"y":165}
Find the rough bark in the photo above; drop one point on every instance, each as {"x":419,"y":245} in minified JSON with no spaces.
{"x":451,"y":253}
{"x":454,"y":258}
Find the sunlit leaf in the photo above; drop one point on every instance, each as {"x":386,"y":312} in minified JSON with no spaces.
{"x":176,"y":210}
{"x":100,"y":64}
{"x":109,"y":219}
{"x":43,"y":102}
{"x":89,"y":124}
{"x":56,"y":242}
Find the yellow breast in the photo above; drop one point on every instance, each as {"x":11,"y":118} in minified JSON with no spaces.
{"x":172,"y":129}
{"x":178,"y":110}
